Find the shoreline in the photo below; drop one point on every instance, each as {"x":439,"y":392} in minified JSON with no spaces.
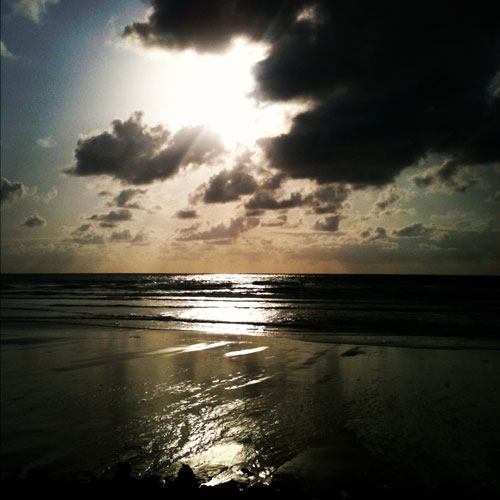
{"x":411,"y":341}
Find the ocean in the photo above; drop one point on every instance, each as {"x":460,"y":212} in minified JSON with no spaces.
{"x":309,"y":306}
{"x":394,"y":374}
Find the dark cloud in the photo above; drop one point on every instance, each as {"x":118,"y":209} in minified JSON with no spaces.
{"x":81,"y":229}
{"x":274,"y":182}
{"x":413,"y":230}
{"x":328,"y":224}
{"x":221,"y":231}
{"x":389,"y":82}
{"x":325,"y":199}
{"x":263,"y":200}
{"x":186,"y":214}
{"x":227,"y":185}
{"x":10,"y":191}
{"x":34,"y":220}
{"x":210,"y":26}
{"x":123,"y":198}
{"x":135,"y":153}
{"x":329,"y":199}
{"x":112,"y":217}
{"x":120,"y":236}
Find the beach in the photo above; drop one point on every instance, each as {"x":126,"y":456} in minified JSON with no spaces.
{"x":78,"y":399}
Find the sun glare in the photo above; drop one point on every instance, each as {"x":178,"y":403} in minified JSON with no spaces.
{"x":188,"y":88}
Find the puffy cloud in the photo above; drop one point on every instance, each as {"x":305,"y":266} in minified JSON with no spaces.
{"x":81,"y":229}
{"x":451,"y":177}
{"x":113,"y":217}
{"x":263,"y":200}
{"x":120,"y":236}
{"x":123,"y":198}
{"x":46,"y":142}
{"x":388,"y":84}
{"x":386,"y":198}
{"x":34,"y":220}
{"x":328,"y":224}
{"x":10,"y":191}
{"x":413,"y":230}
{"x":186,"y":214}
{"x":330,"y":198}
{"x":227,"y":185}
{"x":380,"y":233}
{"x":32,"y":9}
{"x":135,"y":153}
{"x":221,"y":232}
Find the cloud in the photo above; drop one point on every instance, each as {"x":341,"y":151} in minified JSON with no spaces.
{"x":81,"y":229}
{"x":120,"y":236}
{"x":227,"y":185}
{"x":265,"y":201}
{"x":386,"y":198}
{"x":328,"y":224}
{"x":111,"y":218}
{"x":5,"y":52}
{"x":210,"y":27}
{"x":413,"y":230}
{"x":135,"y":153}
{"x":450,"y":177}
{"x":32,"y":9}
{"x":48,"y":197}
{"x":279,"y":221}
{"x":380,"y":233}
{"x":330,"y":198}
{"x":10,"y":191}
{"x":46,"y":142}
{"x":123,"y":198}
{"x":34,"y":220}
{"x":88,"y":239}
{"x":387,"y":85}
{"x":186,"y":214}
{"x":221,"y":231}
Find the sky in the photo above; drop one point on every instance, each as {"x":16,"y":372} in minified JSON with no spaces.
{"x":250,"y":136}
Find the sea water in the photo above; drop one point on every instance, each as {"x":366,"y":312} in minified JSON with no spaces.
{"x":261,"y":371}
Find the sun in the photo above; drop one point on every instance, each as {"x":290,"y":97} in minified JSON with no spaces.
{"x":187,"y":88}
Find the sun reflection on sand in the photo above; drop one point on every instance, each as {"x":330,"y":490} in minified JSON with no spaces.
{"x":191,"y":348}
{"x":244,"y":352}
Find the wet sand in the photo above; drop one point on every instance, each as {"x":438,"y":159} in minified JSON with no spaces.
{"x":77,"y":400}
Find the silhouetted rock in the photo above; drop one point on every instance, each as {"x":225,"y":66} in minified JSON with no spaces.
{"x":185,"y":481}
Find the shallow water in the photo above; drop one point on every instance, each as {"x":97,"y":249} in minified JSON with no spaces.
{"x":76,"y":400}
{"x":306,"y":306}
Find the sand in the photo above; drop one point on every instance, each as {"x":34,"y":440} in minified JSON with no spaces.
{"x":76,"y":400}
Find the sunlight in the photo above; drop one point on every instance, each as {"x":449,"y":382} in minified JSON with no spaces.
{"x":188,"y":88}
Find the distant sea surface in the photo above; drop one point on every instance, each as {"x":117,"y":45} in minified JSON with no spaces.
{"x":374,"y":308}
